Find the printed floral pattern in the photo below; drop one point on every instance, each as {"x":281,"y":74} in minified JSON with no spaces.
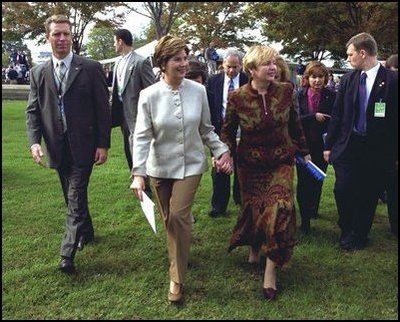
{"x":271,"y":134}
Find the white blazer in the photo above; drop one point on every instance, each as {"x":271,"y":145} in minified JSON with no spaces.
{"x":171,"y":130}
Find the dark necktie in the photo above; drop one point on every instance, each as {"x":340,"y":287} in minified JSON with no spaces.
{"x":362,"y":102}
{"x":231,"y":86}
{"x":61,"y":71}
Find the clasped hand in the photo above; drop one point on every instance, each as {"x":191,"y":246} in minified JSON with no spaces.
{"x":224,"y":163}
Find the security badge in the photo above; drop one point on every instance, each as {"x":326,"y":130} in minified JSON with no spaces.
{"x":380,"y":108}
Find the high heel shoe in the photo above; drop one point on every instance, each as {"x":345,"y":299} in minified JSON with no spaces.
{"x":269,"y":293}
{"x":176,"y":298}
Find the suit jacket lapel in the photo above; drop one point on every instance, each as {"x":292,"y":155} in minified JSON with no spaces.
{"x":48,"y":77}
{"x":354,"y":88}
{"x":73,"y":71}
{"x":129,"y":70}
{"x":378,"y":86}
{"x":220,"y":92}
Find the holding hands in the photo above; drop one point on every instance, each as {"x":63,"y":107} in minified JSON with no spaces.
{"x":224,"y":163}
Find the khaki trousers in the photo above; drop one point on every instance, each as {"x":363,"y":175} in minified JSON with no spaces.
{"x":175,"y":199}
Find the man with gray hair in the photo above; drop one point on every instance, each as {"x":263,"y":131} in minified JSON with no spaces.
{"x":221,"y":85}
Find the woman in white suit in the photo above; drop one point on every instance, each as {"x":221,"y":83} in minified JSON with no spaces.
{"x":173,"y":125}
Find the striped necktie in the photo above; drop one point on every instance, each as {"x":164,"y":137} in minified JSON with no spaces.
{"x":231,"y":86}
{"x":61,"y":71}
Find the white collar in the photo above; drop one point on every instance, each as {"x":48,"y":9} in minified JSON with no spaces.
{"x":235,"y":79}
{"x":67,"y":60}
{"x":371,"y":73}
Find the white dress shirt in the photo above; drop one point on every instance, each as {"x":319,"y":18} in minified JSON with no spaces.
{"x":227,"y":80}
{"x":370,"y":80}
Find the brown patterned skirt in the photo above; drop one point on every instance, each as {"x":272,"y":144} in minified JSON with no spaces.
{"x":268,"y":218}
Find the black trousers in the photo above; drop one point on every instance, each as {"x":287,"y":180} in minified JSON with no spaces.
{"x":74,"y":182}
{"x":360,"y":177}
{"x":222,"y":190}
{"x":392,"y":189}
{"x":128,"y":152}
{"x":308,"y":188}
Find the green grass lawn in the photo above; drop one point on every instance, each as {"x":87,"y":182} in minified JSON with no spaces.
{"x":124,"y":274}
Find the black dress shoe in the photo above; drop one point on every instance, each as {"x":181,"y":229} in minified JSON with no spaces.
{"x":83,"y":240}
{"x":305,"y":226}
{"x":269,"y":293}
{"x":359,"y":244}
{"x":81,"y":243}
{"x":67,"y":265}
{"x":346,"y":240}
{"x":213,"y":213}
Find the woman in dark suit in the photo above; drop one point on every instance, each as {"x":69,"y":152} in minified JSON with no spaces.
{"x":315,"y":103}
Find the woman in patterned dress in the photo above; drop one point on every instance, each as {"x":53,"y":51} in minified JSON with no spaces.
{"x":271,"y":134}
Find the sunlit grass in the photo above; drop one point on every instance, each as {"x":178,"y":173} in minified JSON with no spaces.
{"x":124,"y":275}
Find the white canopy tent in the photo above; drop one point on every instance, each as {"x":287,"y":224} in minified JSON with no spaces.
{"x":145,"y":51}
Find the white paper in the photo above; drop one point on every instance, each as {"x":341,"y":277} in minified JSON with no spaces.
{"x":148,"y":208}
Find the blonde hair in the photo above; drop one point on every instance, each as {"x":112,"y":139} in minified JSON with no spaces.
{"x":167,"y":47}
{"x":316,"y":68}
{"x":56,"y":19}
{"x":256,"y":56}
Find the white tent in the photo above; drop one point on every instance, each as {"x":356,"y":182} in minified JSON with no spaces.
{"x":145,"y":51}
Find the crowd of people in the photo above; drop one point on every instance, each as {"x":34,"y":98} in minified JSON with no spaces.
{"x":18,"y":70}
{"x":253,"y":121}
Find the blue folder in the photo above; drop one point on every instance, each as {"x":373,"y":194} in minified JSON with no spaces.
{"x":311,"y":168}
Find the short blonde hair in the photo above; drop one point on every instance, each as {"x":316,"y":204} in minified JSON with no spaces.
{"x":167,"y":47}
{"x":256,"y":56}
{"x":55,"y":19}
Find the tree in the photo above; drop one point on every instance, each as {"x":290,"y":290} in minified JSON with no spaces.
{"x":32,"y":15}
{"x":163,"y":14}
{"x":320,"y":30}
{"x":100,"y":43}
{"x":221,"y":22}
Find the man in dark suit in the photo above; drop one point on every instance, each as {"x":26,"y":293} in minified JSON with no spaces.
{"x":69,"y":108}
{"x":221,"y":85}
{"x":360,"y":142}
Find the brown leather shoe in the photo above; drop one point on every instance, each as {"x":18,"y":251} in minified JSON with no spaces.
{"x":269,"y":293}
{"x":176,"y":298}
